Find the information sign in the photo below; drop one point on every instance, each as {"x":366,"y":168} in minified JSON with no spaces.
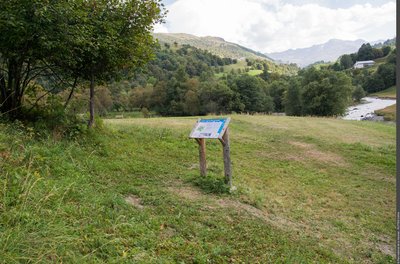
{"x":209,"y":128}
{"x":218,"y":129}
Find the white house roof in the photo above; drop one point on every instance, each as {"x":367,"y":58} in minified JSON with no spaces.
{"x":365,"y":62}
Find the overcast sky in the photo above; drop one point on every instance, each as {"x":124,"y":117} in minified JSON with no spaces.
{"x":277,"y":25}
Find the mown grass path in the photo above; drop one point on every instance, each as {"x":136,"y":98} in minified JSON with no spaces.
{"x":310,"y":190}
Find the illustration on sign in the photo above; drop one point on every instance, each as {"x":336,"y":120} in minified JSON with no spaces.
{"x":208,"y":128}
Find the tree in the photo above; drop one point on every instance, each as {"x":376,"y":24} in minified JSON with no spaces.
{"x":378,"y":53}
{"x":276,"y":90}
{"x":292,"y":99}
{"x":392,"y":57}
{"x":106,"y":36}
{"x":31,"y":32}
{"x":365,"y":52}
{"x":358,"y":93}
{"x":336,"y":66}
{"x":265,"y":74}
{"x":253,"y":94}
{"x":373,"y":84}
{"x":346,"y":61}
{"x":386,"y":50}
{"x":387,"y":72}
{"x":327,"y":93}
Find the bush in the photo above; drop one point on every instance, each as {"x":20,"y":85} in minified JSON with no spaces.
{"x":387,"y":73}
{"x":373,"y":84}
{"x":358,"y":93}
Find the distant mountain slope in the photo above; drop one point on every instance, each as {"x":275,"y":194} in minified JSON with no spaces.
{"x":381,"y":43}
{"x":328,"y":51}
{"x":217,"y":46}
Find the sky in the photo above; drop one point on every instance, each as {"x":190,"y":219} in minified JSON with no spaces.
{"x":277,"y":25}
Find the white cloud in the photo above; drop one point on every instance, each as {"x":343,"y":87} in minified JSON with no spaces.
{"x":271,"y":25}
{"x":160,"y":28}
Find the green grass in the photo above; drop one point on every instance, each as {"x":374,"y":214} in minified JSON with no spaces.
{"x":310,"y":190}
{"x":255,"y":72}
{"x":388,"y":93}
{"x":241,"y":64}
{"x":388,"y":113}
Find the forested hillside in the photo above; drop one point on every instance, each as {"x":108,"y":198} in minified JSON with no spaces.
{"x":188,"y":81}
{"x":380,"y":76}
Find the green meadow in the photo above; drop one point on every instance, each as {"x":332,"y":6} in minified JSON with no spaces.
{"x":309,"y":190}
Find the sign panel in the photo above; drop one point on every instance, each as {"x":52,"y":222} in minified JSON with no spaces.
{"x":209,"y":128}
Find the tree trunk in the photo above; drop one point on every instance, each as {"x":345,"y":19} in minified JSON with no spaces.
{"x":71,"y":93}
{"x":3,"y":94}
{"x":11,"y":91}
{"x":91,"y":103}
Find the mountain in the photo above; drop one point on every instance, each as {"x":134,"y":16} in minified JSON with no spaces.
{"x":381,"y":43}
{"x":215,"y":45}
{"x":329,"y":51}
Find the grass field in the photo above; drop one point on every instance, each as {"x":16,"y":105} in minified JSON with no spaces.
{"x":255,"y":72}
{"x":388,"y":93}
{"x":388,"y":113}
{"x":309,"y":190}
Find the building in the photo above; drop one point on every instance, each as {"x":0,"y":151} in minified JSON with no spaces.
{"x":363,"y":64}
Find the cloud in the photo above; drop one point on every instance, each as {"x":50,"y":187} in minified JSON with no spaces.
{"x":272,"y":25}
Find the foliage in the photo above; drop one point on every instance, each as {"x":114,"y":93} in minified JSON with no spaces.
{"x":108,"y":36}
{"x":365,"y":52}
{"x":373,"y":83}
{"x":358,"y":93}
{"x":89,"y":40}
{"x":31,"y":32}
{"x":277,"y":90}
{"x":387,"y":73}
{"x":293,"y":99}
{"x":326,"y":93}
{"x":253,"y":94}
{"x":346,"y":61}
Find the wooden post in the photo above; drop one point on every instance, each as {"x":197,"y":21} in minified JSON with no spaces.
{"x":227,"y":158}
{"x":202,"y":156}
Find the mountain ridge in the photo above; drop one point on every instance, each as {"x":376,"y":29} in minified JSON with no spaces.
{"x":216,"y":45}
{"x":328,"y":51}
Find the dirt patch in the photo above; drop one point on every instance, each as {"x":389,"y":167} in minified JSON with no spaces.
{"x":167,"y":231}
{"x":387,"y":249}
{"x":187,"y":192}
{"x":4,"y":155}
{"x":134,"y":201}
{"x":194,"y":166}
{"x":301,"y":144}
{"x":307,"y":151}
{"x":386,"y":246}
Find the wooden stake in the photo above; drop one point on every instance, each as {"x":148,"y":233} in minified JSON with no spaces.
{"x":202,"y":156}
{"x":227,"y":158}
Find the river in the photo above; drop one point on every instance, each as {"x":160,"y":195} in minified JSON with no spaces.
{"x":367,"y":108}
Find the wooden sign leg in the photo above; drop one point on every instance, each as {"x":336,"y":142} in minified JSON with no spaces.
{"x":227,"y":159}
{"x":202,"y":156}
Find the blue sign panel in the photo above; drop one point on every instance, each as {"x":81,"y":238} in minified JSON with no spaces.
{"x":209,"y":128}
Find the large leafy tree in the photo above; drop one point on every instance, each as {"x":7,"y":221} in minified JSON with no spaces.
{"x":346,"y":61}
{"x":365,"y":52}
{"x":253,"y":94}
{"x":30,"y":32}
{"x":108,"y":36}
{"x":89,"y":40}
{"x":326,"y":93}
